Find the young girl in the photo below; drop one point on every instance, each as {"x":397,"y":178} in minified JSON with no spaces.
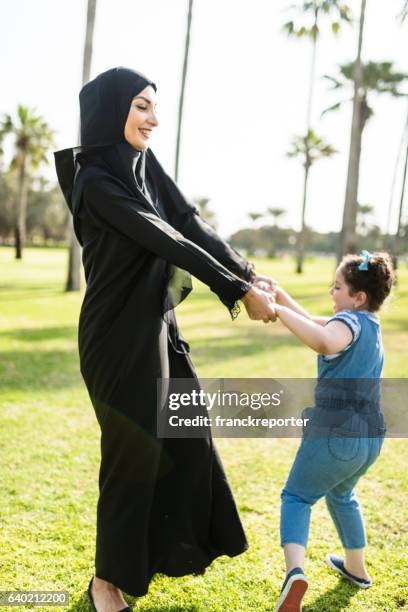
{"x":346,"y":428}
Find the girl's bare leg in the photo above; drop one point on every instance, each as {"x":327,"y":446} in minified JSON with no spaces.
{"x":354,"y":562}
{"x":294,"y":556}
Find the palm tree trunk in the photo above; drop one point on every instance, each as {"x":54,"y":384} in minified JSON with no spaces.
{"x":183,"y":85}
{"x":73,"y":282}
{"x":312,"y":78}
{"x":397,"y":248}
{"x":21,"y":210}
{"x":403,"y":145}
{"x":88,"y":45}
{"x":347,"y":242}
{"x":301,"y":243}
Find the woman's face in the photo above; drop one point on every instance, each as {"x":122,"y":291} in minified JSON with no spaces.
{"x":141,"y":119}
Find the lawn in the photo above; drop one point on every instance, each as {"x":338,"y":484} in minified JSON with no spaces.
{"x":49,"y":450}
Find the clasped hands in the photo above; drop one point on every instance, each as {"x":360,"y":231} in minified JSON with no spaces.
{"x":260,"y":299}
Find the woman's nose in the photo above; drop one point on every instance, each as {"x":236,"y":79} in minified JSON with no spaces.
{"x":153,"y":120}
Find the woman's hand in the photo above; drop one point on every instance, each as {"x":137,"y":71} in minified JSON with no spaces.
{"x":259,"y":305}
{"x":266,"y":283}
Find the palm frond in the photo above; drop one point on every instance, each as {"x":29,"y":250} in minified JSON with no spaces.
{"x":308,"y":17}
{"x":32,"y":136}
{"x":336,"y":83}
{"x":377,"y":77}
{"x":334,"y":107}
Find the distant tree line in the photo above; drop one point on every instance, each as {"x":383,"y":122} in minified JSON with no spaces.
{"x":272,"y":241}
{"x":45,"y":217}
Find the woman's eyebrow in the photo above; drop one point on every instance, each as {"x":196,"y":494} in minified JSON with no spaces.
{"x":143,"y":98}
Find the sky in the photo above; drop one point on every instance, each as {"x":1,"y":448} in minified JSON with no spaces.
{"x":245,"y":98}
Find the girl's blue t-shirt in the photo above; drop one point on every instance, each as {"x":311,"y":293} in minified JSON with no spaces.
{"x":348,"y":388}
{"x":364,"y":356}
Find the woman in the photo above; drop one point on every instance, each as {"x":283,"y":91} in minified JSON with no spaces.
{"x":165,"y":504}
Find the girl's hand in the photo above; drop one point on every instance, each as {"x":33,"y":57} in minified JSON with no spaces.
{"x":271,"y":283}
{"x":266,"y":283}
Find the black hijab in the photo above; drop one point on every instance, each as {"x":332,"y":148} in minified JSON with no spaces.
{"x":104,"y":106}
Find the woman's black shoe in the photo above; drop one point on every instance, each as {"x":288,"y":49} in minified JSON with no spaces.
{"x":127,"y":609}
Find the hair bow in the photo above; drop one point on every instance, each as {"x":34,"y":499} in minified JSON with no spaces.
{"x":364,"y":264}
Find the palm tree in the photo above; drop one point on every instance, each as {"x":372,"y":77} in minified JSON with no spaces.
{"x":183,"y":86}
{"x":400,"y":229}
{"x":272,"y":233}
{"x":338,"y":12}
{"x":403,"y":146}
{"x":73,"y":282}
{"x":309,"y":148}
{"x":254,"y":216}
{"x":347,"y":240}
{"x":378,"y":78}
{"x":396,"y":243}
{"x":276,"y":213}
{"x":33,"y":138}
{"x":205,"y":211}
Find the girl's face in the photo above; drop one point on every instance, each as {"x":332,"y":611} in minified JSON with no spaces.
{"x":141,"y":120}
{"x":340,"y":292}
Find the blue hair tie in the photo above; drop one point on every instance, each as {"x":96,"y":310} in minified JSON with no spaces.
{"x":364,"y":264}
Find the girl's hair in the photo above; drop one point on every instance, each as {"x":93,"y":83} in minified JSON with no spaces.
{"x":376,"y":281}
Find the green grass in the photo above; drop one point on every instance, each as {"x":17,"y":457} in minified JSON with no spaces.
{"x":49,"y":450}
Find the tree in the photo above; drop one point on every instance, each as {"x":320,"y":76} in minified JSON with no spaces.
{"x":364,"y":212}
{"x":205,"y":211}
{"x":347,"y":242}
{"x":276,"y":213}
{"x":267,"y":237}
{"x":397,"y":242}
{"x":400,"y":229}
{"x":74,"y":260}
{"x":375,"y":78}
{"x":46,"y":218}
{"x":182,"y":89}
{"x":309,"y":149}
{"x":254,"y":216}
{"x":273,"y":231}
{"x":7,"y":207}
{"x":265,"y":240}
{"x":338,"y":12}
{"x":316,"y":9}
{"x":389,"y":242}
{"x":32,"y":139}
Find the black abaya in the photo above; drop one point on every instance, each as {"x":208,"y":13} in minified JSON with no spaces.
{"x":165,"y":505}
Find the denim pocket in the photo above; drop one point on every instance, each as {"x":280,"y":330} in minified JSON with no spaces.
{"x":344,"y":444}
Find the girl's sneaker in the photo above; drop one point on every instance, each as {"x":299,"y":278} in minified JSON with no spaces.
{"x":337,"y":563}
{"x":293,"y":589}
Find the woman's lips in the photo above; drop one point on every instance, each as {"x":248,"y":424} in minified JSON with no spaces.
{"x":145,"y":133}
